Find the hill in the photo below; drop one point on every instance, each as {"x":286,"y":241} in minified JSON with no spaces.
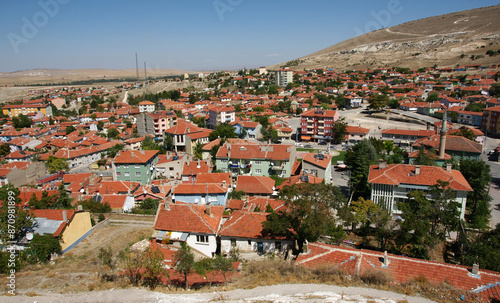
{"x":445,"y":40}
{"x":42,"y":75}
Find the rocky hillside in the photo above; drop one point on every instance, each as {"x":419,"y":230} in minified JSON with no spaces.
{"x":447,"y":40}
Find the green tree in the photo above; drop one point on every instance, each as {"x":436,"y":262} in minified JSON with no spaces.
{"x":95,"y":207}
{"x":168,"y":142}
{"x":477,"y":174}
{"x":41,"y":248}
{"x":308,"y":213}
{"x":425,"y":157}
{"x":4,"y":149}
{"x":223,"y":130}
{"x":12,"y":215}
{"x":132,"y":262}
{"x":269,"y":134}
{"x":434,"y":96}
{"x":358,"y":160}
{"x":149,"y":143}
{"x":223,"y":265}
{"x":184,"y":262}
{"x":466,"y":132}
{"x":153,"y":267}
{"x":198,"y":150}
{"x":204,"y":267}
{"x":484,"y":250}
{"x":70,"y":129}
{"x":64,"y":200}
{"x":54,"y":164}
{"x":21,"y":121}
{"x":113,"y":133}
{"x":106,"y":262}
{"x":112,"y":119}
{"x":378,"y":101}
{"x":339,"y":130}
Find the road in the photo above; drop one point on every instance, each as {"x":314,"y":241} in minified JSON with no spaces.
{"x":494,"y":189}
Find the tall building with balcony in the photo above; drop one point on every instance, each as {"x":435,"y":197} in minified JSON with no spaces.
{"x":155,"y":124}
{"x":283,"y":76}
{"x":135,"y":166}
{"x":146,"y":107}
{"x":221,"y":114}
{"x":317,"y":125}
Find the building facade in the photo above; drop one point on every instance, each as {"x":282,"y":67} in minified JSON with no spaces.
{"x":317,"y":125}
{"x":283,"y":76}
{"x":135,"y":166}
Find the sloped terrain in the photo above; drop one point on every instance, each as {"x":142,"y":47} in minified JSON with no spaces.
{"x":445,"y":40}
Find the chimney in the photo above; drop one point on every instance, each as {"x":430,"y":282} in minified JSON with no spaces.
{"x":448,"y":167}
{"x":167,"y":205}
{"x":386,"y":259}
{"x":305,"y":248}
{"x":132,"y":154}
{"x":65,"y":216}
{"x":475,"y":269}
{"x":417,"y":170}
{"x":80,"y":208}
{"x":198,"y":165}
{"x":208,"y":209}
{"x":382,"y":164}
{"x":223,"y":183}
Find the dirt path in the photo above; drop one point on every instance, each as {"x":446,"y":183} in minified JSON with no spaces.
{"x":276,"y":293}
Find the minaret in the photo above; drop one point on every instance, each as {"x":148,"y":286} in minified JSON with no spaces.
{"x":444,"y":130}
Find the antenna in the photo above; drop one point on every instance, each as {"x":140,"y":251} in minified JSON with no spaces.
{"x":145,"y":74}
{"x":136,"y":67}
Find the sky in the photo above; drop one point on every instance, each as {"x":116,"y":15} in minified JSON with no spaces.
{"x":192,"y":34}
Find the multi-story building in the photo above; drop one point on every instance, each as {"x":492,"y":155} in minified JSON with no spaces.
{"x":155,"y":124}
{"x":391,"y":183}
{"x":470,"y":118}
{"x":283,"y":76}
{"x":405,"y":137}
{"x":15,"y":110}
{"x":186,"y":134}
{"x":256,"y":160}
{"x":221,"y":114}
{"x":317,"y":125}
{"x":318,"y":165}
{"x":146,"y":107}
{"x":490,"y":123}
{"x":136,"y":166}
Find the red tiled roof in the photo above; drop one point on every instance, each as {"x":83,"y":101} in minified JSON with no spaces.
{"x":395,"y":174}
{"x":199,"y":188}
{"x":52,"y":214}
{"x":255,"y":184}
{"x":244,"y":224}
{"x":402,"y":269}
{"x":315,"y":160}
{"x":130,"y":156}
{"x":453,"y":143}
{"x":250,"y":151}
{"x":189,"y":218}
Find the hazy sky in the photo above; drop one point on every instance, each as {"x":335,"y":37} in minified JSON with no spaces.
{"x":192,"y":34}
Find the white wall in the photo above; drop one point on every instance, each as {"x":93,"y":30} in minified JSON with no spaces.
{"x":205,"y":248}
{"x":242,"y":244}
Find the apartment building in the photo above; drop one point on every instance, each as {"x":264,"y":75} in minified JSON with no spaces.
{"x":221,"y":114}
{"x":283,"y":76}
{"x":155,"y":124}
{"x":317,"y":125}
{"x":135,"y":166}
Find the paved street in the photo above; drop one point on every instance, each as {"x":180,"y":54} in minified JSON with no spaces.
{"x":494,"y":190}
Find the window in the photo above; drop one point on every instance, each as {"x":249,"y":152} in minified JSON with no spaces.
{"x":202,"y":239}
{"x":125,"y":166}
{"x":137,"y":174}
{"x":126,"y":174}
{"x":277,"y":245}
{"x":170,"y":168}
{"x":118,"y":174}
{"x":258,"y":171}
{"x":257,"y":163}
{"x":137,"y":166}
{"x":233,"y":242}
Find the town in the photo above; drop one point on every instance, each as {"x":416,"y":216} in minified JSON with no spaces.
{"x":364,"y":170}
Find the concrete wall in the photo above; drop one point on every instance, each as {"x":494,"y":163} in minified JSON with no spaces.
{"x":77,"y":227}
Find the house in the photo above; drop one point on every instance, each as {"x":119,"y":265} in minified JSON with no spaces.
{"x":256,"y":186}
{"x":355,"y":134}
{"x":470,"y":118}
{"x":195,"y":225}
{"x":202,"y":193}
{"x":146,"y":107}
{"x":405,"y":137}
{"x":181,"y":130}
{"x":14,"y":110}
{"x":221,"y":114}
{"x":256,"y":160}
{"x":171,"y":165}
{"x":192,"y":168}
{"x":491,"y":120}
{"x":193,"y":139}
{"x":79,"y":157}
{"x":317,"y":125}
{"x":138,"y":166}
{"x":456,"y":146}
{"x":243,"y":231}
{"x":390,"y":183}
{"x":318,"y":165}
{"x":247,"y":129}
{"x":21,"y":173}
{"x":69,"y":225}
{"x":20,"y":156}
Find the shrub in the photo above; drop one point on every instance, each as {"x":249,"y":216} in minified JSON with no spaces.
{"x":376,"y":277}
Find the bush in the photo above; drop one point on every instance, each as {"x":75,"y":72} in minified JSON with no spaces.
{"x":376,"y":277}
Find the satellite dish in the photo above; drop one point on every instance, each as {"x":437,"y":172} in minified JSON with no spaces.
{"x":29,"y":236}
{"x":196,"y":200}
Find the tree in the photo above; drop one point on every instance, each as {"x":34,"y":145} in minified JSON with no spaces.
{"x":425,"y":157}
{"x":112,"y":119}
{"x":308,"y":213}
{"x":132,"y":263}
{"x":427,"y":221}
{"x":358,"y":160}
{"x":477,"y":174}
{"x":184,"y":262}
{"x":204,"y":267}
{"x":223,"y":130}
{"x":168,"y":142}
{"x":149,"y":143}
{"x":198,"y":151}
{"x":339,"y":130}
{"x":484,"y":250}
{"x":21,"y":121}
{"x":223,"y":265}
{"x":378,"y":101}
{"x":105,"y":259}
{"x":95,"y":207}
{"x":113,"y":133}
{"x":4,"y":149}
{"x":70,"y":129}
{"x":432,"y":97}
{"x":54,"y":164}
{"x":64,"y":200}
{"x":12,"y":216}
{"x":269,"y":134}
{"x":153,"y":267}
{"x":41,"y":248}
{"x":466,"y":132}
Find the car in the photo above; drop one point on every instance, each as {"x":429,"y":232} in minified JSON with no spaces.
{"x":308,"y":146}
{"x":322,"y":143}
